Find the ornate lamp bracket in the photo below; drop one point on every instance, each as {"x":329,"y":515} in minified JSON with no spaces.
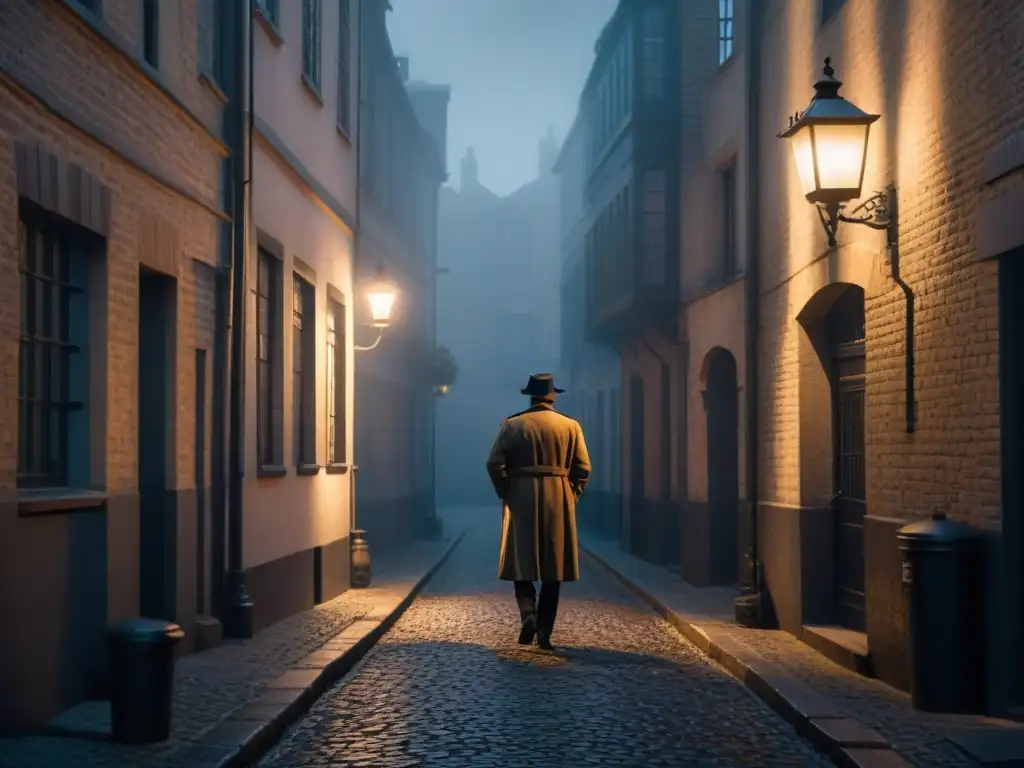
{"x":368,"y":347}
{"x":877,"y":212}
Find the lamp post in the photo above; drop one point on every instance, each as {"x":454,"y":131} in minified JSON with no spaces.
{"x":830,"y":143}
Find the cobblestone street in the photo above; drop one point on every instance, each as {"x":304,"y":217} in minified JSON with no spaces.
{"x":448,"y":686}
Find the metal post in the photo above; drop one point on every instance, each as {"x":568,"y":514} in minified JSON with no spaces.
{"x":238,"y":608}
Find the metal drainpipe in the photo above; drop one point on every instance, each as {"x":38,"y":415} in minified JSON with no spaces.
{"x":238,"y":614}
{"x":356,"y":245}
{"x":752,"y":319}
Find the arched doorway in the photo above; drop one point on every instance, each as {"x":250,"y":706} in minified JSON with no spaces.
{"x":721,"y":407}
{"x":637,"y":462}
{"x":845,"y":331}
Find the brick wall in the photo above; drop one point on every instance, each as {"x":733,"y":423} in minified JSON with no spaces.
{"x":72,"y":86}
{"x":939,"y":72}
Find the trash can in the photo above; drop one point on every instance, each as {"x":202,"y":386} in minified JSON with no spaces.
{"x":142,"y":679}
{"x":942,"y":578}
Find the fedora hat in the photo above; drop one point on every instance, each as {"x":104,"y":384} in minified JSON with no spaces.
{"x":541,"y":385}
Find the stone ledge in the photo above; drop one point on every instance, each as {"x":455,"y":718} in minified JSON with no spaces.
{"x":846,"y":741}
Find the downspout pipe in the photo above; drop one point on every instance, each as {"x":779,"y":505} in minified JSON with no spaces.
{"x":751,"y":606}
{"x":238,"y":609}
{"x":361,"y":37}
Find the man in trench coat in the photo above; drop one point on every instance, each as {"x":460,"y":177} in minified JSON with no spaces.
{"x":539,"y":467}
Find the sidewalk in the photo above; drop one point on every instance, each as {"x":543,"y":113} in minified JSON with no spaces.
{"x":858,"y":721}
{"x":232,"y":702}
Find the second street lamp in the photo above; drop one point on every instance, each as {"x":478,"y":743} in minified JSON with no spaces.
{"x":381,"y":295}
{"x":830,"y":144}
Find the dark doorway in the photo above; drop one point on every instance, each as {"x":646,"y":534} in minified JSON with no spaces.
{"x":1011,"y":407}
{"x":157,"y":534}
{"x":846,"y":345}
{"x":637,"y":492}
{"x":722,"y":410}
{"x":200,"y":482}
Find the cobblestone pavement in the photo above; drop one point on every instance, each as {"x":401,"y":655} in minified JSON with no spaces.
{"x":212,"y":684}
{"x":919,"y":737}
{"x":448,"y":686}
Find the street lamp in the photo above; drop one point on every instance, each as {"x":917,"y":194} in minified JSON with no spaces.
{"x":381,"y":295}
{"x":830,"y":144}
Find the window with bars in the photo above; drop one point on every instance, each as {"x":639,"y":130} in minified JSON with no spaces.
{"x":50,"y":395}
{"x":344,"y":68}
{"x":303,"y":372}
{"x":268,"y":346}
{"x":151,"y":32}
{"x":271,"y":11}
{"x":729,"y":245}
{"x":336,"y":383}
{"x":726,"y":26}
{"x":311,"y":16}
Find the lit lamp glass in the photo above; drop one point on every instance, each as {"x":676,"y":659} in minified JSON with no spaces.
{"x":381,"y":295}
{"x":830,"y":144}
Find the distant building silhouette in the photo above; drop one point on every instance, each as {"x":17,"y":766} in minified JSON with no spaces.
{"x":498,"y":312}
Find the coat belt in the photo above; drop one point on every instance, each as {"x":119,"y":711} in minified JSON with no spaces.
{"x":539,"y":471}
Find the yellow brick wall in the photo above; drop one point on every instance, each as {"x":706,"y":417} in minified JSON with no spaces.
{"x":46,"y":49}
{"x":941,"y":73}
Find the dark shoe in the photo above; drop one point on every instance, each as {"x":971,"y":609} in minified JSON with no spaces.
{"x":544,"y":642}
{"x":528,"y":630}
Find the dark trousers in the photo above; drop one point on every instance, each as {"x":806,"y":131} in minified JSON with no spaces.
{"x":545,"y":608}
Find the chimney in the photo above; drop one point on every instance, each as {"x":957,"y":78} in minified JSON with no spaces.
{"x":547,"y":153}
{"x":468,"y":178}
{"x":403,"y":67}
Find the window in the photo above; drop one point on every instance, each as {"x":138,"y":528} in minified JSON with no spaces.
{"x":654,"y":53}
{"x":271,"y":10}
{"x":336,"y":383}
{"x":311,"y":42}
{"x":729,"y":255}
{"x":211,"y":30}
{"x":268,"y":343}
{"x":725,"y":30}
{"x":344,"y":69}
{"x":303,"y":372}
{"x":654,"y":226}
{"x":151,"y":32}
{"x":52,"y":316}
{"x":830,"y":8}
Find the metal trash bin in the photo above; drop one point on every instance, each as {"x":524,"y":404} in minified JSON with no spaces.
{"x":142,"y":679}
{"x":942,"y":576}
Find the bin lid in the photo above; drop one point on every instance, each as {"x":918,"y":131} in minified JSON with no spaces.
{"x":143,"y":630}
{"x":938,"y":532}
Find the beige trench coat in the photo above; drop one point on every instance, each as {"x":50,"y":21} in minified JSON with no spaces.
{"x":539,"y":467}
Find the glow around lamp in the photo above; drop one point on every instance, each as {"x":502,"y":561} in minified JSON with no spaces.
{"x":830,"y":145}
{"x":381,"y":294}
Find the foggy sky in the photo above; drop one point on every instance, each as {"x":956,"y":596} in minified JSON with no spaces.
{"x":515,"y":67}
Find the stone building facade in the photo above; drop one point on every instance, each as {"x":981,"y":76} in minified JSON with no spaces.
{"x":300,"y":403}
{"x":629,"y":120}
{"x":111,"y":219}
{"x":793,"y":374}
{"x":400,"y":175}
{"x":589,"y":372}
{"x":849,"y":450}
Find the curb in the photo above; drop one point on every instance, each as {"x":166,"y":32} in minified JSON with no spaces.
{"x":848,"y":743}
{"x":251,"y":730}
